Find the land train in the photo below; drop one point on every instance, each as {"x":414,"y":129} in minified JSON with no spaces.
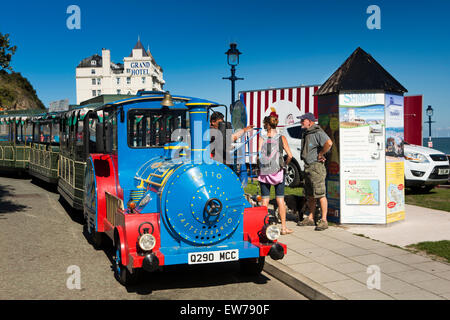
{"x":157,"y":194}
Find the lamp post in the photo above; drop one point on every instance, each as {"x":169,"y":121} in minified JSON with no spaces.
{"x":233,"y":60}
{"x":429,"y":114}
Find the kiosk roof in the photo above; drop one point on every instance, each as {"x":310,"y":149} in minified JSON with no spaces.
{"x":360,"y":72}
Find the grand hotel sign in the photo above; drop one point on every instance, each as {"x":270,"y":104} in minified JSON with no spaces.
{"x":140,"y":68}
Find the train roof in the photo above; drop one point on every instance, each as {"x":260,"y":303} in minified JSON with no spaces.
{"x":23,"y":115}
{"x":180,"y":102}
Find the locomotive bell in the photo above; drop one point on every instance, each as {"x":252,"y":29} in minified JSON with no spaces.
{"x":167,"y":100}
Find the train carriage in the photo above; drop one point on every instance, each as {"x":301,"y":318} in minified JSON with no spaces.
{"x":159,"y":196}
{"x":74,"y":130}
{"x":15,"y":139}
{"x":44,"y":153}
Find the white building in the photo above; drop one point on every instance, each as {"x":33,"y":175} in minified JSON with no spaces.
{"x":97,"y":75}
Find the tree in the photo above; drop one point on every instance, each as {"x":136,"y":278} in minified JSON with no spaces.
{"x":6,"y":52}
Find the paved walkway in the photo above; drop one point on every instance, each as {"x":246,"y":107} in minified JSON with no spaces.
{"x":421,"y":224}
{"x":337,"y":264}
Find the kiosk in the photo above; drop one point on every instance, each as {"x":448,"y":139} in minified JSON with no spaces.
{"x":361,"y":109}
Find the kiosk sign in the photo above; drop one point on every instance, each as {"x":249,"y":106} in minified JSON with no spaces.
{"x":362,"y":157}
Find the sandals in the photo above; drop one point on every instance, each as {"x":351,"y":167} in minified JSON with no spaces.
{"x":285,"y":231}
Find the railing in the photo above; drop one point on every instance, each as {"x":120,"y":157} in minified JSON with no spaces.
{"x":4,"y":151}
{"x":66,"y":170}
{"x":42,"y":158}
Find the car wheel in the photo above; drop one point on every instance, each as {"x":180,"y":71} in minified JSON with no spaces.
{"x":292,"y":175}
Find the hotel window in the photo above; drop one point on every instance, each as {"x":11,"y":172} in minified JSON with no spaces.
{"x":99,"y":92}
{"x":118,"y":80}
{"x":128,"y":70}
{"x":98,"y":81}
{"x":143,"y":79}
{"x":93,"y":63}
{"x":128,"y":80}
{"x":94,"y":93}
{"x":93,"y":81}
{"x":118,"y":91}
{"x":92,"y":71}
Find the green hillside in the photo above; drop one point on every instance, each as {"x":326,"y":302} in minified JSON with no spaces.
{"x":16,"y":92}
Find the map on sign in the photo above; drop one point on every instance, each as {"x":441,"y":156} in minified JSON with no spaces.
{"x":396,"y":198}
{"x":362,"y":192}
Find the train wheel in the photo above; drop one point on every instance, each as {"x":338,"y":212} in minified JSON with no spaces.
{"x":121,"y":272}
{"x":252,"y":266}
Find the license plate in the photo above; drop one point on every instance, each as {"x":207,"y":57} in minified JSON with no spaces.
{"x":443,"y":171}
{"x":213,"y":256}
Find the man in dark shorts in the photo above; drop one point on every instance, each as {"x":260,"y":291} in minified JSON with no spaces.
{"x":315,"y":143}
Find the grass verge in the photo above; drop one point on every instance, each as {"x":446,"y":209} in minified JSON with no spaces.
{"x":436,"y":248}
{"x":437,"y":198}
{"x":253,"y":188}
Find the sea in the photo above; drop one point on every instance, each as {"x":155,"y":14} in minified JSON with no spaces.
{"x":441,"y":144}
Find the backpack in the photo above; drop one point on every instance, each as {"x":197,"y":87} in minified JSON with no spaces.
{"x":271,"y":156}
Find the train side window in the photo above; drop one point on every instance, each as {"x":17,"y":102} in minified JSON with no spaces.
{"x":147,"y":129}
{"x":66,"y":133}
{"x":44,"y":132}
{"x":4,"y":131}
{"x":79,"y":132}
{"x":55,"y":132}
{"x":110,"y":130}
{"x":19,"y":132}
{"x":35,"y":132}
{"x":12,"y":134}
{"x":92,"y":134}
{"x":28,"y":132}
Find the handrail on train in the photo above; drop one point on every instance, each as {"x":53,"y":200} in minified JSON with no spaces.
{"x":140,"y":93}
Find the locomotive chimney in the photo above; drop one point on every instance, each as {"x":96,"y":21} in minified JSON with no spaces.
{"x":199,"y":132}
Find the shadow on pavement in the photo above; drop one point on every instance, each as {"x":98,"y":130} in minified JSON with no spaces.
{"x":51,"y":187}
{"x":75,"y":215}
{"x":7,"y":206}
{"x":193,"y":276}
{"x":183,"y":276}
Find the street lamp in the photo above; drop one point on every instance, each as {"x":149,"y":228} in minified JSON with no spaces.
{"x":429,"y":114}
{"x":233,"y":60}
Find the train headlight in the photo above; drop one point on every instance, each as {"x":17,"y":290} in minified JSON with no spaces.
{"x":147,"y":242}
{"x":273,"y":232}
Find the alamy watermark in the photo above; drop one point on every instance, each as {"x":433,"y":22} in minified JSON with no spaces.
{"x":74,"y":280}
{"x":374,"y":280}
{"x":74,"y":20}
{"x":374,"y":20}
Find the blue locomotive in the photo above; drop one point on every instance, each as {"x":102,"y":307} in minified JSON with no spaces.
{"x":151,"y":186}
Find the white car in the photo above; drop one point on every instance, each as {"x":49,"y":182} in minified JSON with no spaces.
{"x":294,"y":172}
{"x":425,"y":167}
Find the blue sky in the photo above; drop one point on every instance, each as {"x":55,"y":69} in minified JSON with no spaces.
{"x":284,"y":43}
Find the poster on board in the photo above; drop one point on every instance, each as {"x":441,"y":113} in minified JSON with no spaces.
{"x":362,"y":157}
{"x":395,"y":176}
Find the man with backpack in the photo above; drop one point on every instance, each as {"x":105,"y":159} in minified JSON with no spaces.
{"x":315,"y":144}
